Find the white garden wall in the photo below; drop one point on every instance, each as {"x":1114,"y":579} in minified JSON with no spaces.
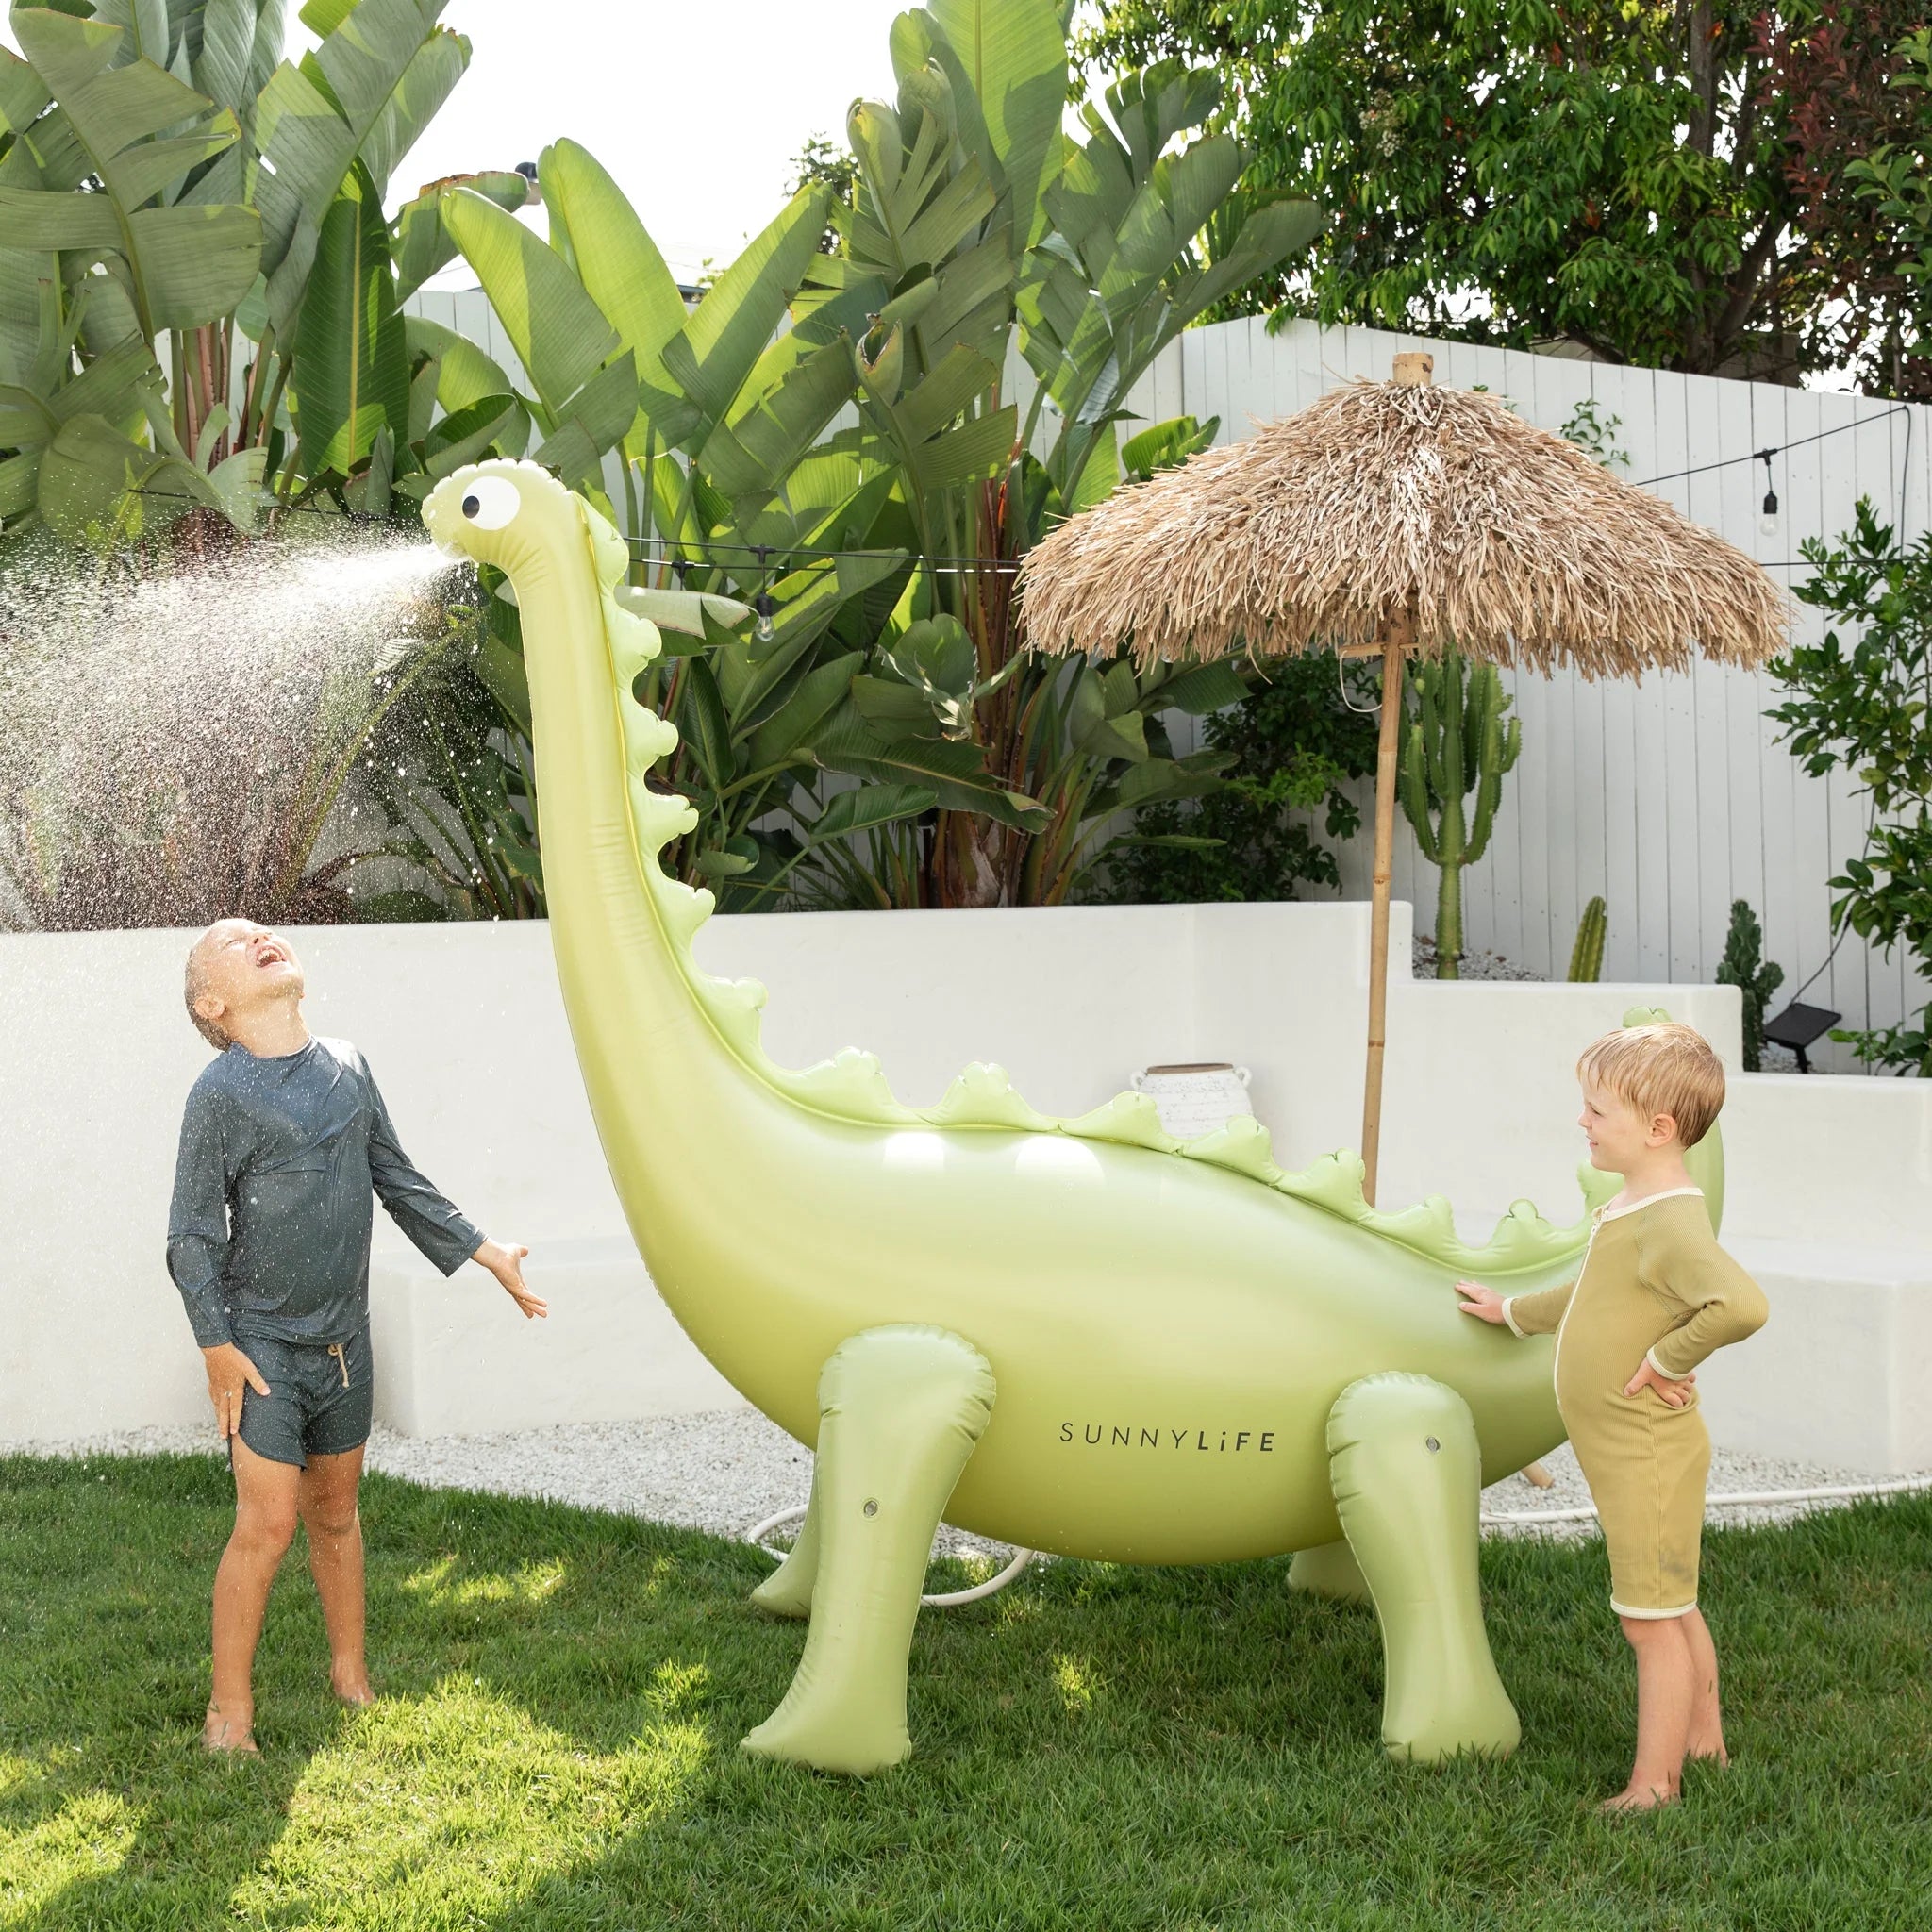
{"x":466,"y":1032}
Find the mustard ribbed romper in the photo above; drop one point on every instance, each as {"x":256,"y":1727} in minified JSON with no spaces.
{"x":1654,"y":1282}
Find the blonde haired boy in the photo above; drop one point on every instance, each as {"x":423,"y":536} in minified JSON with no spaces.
{"x":1654,"y":1297}
{"x":284,"y":1141}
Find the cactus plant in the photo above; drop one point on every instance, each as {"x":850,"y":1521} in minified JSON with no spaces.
{"x":1455,"y":742}
{"x":1587,"y":954}
{"x":1744,"y":966}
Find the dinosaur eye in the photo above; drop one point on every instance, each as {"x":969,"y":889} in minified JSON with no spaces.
{"x":491,"y":502}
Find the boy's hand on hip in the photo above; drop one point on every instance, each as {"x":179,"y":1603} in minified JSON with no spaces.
{"x":1677,"y":1393}
{"x":1485,"y":1304}
{"x":229,"y":1372}
{"x":506,"y":1263}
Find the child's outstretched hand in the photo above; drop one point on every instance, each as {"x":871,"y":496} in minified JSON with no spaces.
{"x":1485,"y":1304}
{"x":1675,"y":1394}
{"x":506,"y":1263}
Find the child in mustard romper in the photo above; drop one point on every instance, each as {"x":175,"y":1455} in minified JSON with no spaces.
{"x":1654,"y":1297}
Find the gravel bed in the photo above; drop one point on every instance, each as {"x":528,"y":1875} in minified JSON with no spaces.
{"x":1475,"y":964}
{"x":727,"y":1470}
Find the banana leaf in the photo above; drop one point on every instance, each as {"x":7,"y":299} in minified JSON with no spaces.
{"x":421,"y":246}
{"x":352,"y":379}
{"x":100,"y":488}
{"x":705,"y":365}
{"x":598,"y":233}
{"x":180,"y":265}
{"x":361,"y":87}
{"x":1007,"y":62}
{"x":954,"y":771}
{"x":559,"y":335}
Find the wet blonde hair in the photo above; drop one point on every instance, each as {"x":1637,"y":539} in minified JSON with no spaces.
{"x":1668,"y":1068}
{"x":193,"y":984}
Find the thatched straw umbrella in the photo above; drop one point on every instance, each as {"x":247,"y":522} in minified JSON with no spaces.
{"x":1391,"y":519}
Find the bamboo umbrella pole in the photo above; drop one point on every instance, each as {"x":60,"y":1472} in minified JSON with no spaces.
{"x":1398,"y":634}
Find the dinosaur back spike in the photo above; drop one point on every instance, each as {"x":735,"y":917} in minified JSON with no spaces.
{"x":983,"y":1096}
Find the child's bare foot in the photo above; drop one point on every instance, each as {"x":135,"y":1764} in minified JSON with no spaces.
{"x":351,"y":1688}
{"x":230,"y":1731}
{"x":1638,"y":1798}
{"x":1709,"y":1754}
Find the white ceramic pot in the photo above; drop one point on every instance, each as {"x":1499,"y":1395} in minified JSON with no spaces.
{"x":1194,"y":1100}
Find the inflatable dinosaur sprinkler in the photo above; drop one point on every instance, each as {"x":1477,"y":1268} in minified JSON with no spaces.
{"x":1080,"y":1336}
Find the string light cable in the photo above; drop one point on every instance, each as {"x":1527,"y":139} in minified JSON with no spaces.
{"x":681,"y":554}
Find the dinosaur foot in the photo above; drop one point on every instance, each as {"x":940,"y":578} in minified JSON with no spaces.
{"x":827,"y":1734}
{"x":1407,"y":1473}
{"x":900,"y":1411}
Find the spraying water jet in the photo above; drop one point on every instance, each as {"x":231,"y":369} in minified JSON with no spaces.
{"x":175,"y":748}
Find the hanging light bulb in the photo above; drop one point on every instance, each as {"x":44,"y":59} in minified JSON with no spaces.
{"x":1767,"y":519}
{"x":762,"y":603}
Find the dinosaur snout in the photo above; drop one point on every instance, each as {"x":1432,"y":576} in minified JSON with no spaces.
{"x":443,"y":518}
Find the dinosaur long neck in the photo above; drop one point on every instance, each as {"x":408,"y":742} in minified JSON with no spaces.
{"x":666,"y":1093}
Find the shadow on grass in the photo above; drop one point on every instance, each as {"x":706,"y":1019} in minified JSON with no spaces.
{"x":556,"y":1748}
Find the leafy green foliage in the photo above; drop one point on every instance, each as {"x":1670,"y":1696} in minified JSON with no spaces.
{"x":1291,"y":746}
{"x":1627,"y":177}
{"x":1862,"y":130}
{"x":1862,"y":699}
{"x":355,"y":377}
{"x":967,"y":222}
{"x":164,"y":174}
{"x":1745,"y":967}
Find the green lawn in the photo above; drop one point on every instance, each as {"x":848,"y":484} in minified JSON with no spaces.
{"x":1099,"y":1747}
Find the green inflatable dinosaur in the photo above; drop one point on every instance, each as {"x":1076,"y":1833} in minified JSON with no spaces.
{"x":1080,"y":1336}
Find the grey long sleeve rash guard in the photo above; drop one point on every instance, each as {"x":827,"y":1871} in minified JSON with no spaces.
{"x":269,"y":1231}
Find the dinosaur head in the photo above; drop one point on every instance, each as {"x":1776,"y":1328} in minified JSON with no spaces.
{"x":513,"y":515}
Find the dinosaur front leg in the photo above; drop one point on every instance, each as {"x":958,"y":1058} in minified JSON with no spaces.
{"x":900,"y":1410}
{"x":1407,"y":1474}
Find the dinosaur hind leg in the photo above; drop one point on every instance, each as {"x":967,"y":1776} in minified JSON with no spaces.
{"x":1407,"y":1473}
{"x":1329,"y":1570}
{"x":786,"y":1591}
{"x":900,"y":1410}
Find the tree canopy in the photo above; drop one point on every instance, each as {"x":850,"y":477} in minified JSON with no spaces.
{"x":1665,"y":184}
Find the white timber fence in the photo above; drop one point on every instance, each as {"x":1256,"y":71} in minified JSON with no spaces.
{"x":1671,"y":797}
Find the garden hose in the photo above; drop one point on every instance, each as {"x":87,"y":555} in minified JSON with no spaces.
{"x":940,"y":1600}
{"x":1492,"y":1519}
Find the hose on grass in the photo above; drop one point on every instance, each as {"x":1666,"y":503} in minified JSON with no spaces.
{"x":939,"y":1600}
{"x":1490,"y":1519}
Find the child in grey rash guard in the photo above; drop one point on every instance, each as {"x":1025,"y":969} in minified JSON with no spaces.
{"x":284,"y":1141}
{"x":268,"y":1235}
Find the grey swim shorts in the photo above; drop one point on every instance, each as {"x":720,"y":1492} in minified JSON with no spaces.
{"x":319,"y":1400}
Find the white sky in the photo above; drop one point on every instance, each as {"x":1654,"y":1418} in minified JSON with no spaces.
{"x":695,"y":106}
